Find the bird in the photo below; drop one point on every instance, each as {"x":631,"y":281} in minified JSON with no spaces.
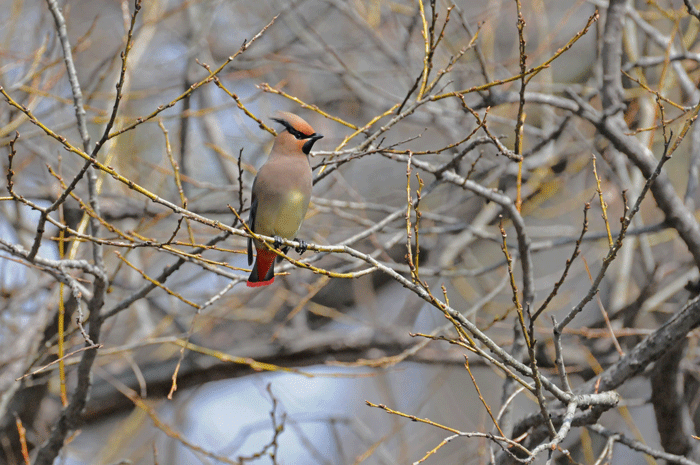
{"x":280,"y":195}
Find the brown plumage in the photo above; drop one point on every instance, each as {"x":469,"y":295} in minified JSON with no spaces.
{"x":281,"y":193}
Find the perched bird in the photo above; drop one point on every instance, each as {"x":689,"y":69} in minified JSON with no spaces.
{"x":281,"y":194}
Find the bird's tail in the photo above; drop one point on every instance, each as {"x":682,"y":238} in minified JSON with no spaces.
{"x":263,"y":273}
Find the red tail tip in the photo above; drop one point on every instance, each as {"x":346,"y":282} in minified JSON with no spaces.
{"x":259,"y":283}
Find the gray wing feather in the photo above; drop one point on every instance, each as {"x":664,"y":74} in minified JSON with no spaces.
{"x":251,"y":224}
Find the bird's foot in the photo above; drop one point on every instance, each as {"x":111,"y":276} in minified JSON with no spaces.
{"x":302,"y":246}
{"x":277,"y":244}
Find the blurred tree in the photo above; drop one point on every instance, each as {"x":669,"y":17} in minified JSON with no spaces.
{"x":527,"y":172}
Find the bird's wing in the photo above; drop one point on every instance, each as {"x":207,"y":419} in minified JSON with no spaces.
{"x":251,"y":224}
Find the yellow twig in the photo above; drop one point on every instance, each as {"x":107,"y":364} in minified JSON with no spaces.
{"x":413,"y":417}
{"x":194,"y":86}
{"x":265,"y":87}
{"x":22,"y":440}
{"x":652,"y":91}
{"x":156,"y":283}
{"x":254,"y":365}
{"x":176,"y":173}
{"x":243,"y":107}
{"x":530,"y":72}
{"x":603,"y":205}
{"x":61,"y":330}
{"x":478,"y":391}
{"x":364,"y":128}
{"x":426,"y":56}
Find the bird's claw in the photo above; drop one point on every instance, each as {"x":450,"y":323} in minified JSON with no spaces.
{"x":277,"y":244}
{"x":302,"y":246}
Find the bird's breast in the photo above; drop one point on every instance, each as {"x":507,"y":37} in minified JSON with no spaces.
{"x":295,"y":199}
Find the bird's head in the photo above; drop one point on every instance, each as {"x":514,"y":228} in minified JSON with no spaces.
{"x":299,"y":134}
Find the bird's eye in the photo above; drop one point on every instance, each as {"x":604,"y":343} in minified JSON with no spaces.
{"x":298,"y":134}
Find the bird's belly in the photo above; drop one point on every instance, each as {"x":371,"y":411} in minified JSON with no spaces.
{"x":284,"y":216}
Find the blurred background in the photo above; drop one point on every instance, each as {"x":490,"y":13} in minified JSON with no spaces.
{"x":283,"y":374}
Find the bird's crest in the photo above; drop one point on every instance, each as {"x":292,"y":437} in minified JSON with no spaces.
{"x":294,"y":124}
